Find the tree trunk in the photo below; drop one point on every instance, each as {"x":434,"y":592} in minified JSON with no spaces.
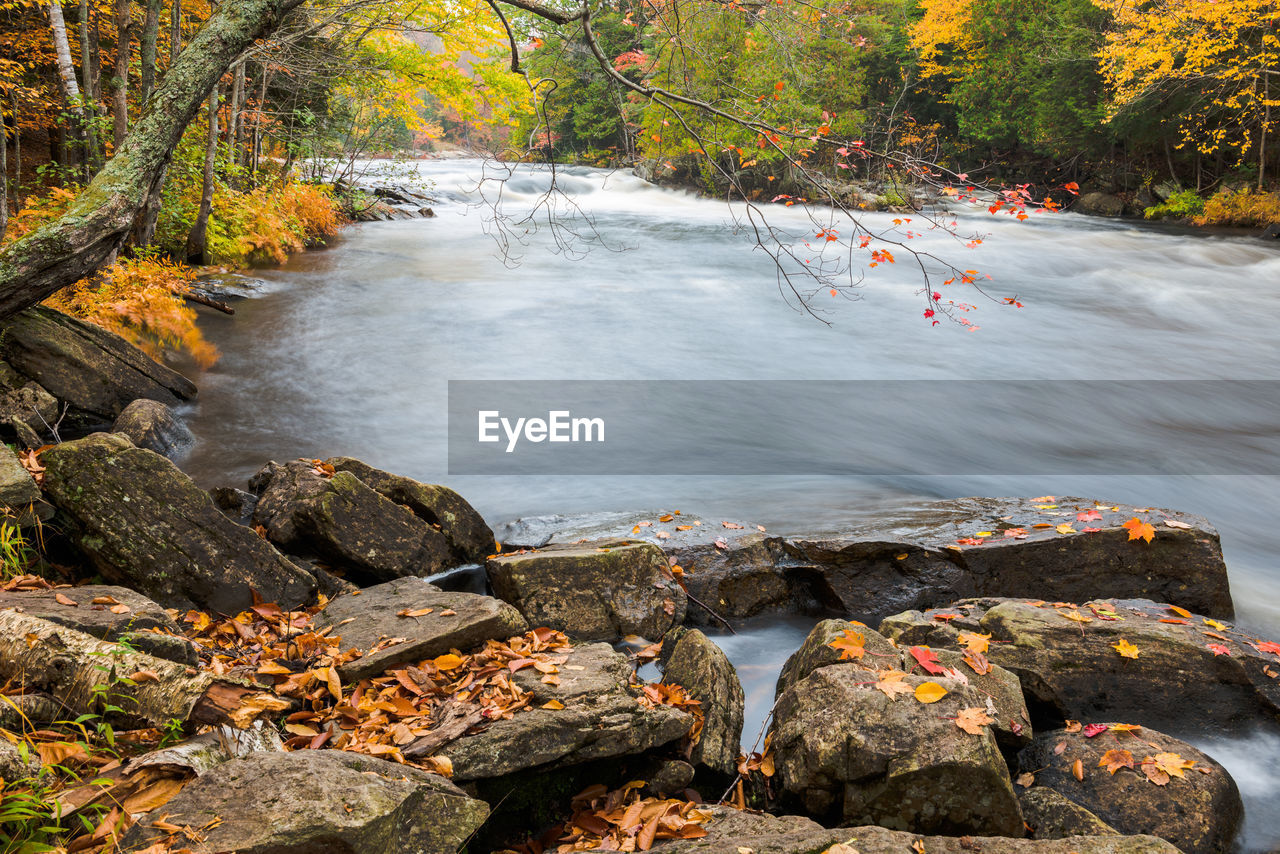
{"x":17,"y":154}
{"x":66,"y":70}
{"x":175,"y":32}
{"x":1266,"y":123}
{"x":91,"y":153}
{"x":124,"y":32}
{"x":147,"y":49}
{"x":198,"y":239}
{"x":233,"y":122}
{"x":82,"y":672}
{"x":4,"y":176}
{"x":76,"y":244}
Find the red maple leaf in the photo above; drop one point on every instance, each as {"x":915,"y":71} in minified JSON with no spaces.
{"x":928,"y":660}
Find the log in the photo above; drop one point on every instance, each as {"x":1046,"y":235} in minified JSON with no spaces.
{"x":453,"y":719}
{"x":86,"y":675}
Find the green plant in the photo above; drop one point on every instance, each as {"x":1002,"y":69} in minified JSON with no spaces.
{"x":29,"y":820}
{"x":1184,"y":205}
{"x":16,"y":554}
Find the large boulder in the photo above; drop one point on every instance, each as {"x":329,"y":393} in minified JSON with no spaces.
{"x":1050,"y":815}
{"x":848,"y":752}
{"x":1190,"y":672}
{"x":28,"y":410}
{"x":108,"y":613}
{"x":999,"y":687}
{"x":469,"y":536}
{"x":592,"y":591}
{"x":144,"y":523}
{"x":696,"y":664}
{"x":923,"y":557}
{"x":96,"y":372}
{"x":729,"y":831}
{"x":150,"y":424}
{"x":317,"y":802}
{"x":306,"y":510}
{"x":593,"y":713}
{"x":1141,"y":782}
{"x":423,"y":620}
{"x":1099,"y":204}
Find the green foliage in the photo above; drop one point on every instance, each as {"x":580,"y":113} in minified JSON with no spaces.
{"x":29,"y":823}
{"x":16,"y":553}
{"x":1184,"y":205}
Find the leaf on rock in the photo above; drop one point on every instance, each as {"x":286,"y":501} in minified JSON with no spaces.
{"x":1140,"y":530}
{"x":974,"y":642}
{"x":1114,"y":760}
{"x":930,"y":692}
{"x":891,"y":684}
{"x":64,"y":600}
{"x":1217,"y":649}
{"x":850,"y":645}
{"x":1093,"y":730}
{"x":928,"y":659}
{"x":978,"y":662}
{"x":973,"y":720}
{"x":1077,"y":770}
{"x":1126,"y":649}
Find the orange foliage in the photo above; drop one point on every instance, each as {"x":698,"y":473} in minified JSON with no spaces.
{"x":1244,"y":208}
{"x":140,"y":300}
{"x":268,"y":224}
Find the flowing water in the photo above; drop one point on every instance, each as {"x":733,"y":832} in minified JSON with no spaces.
{"x":348,"y":351}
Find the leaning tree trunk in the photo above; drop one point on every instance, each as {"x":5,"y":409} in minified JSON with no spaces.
{"x":198,"y":239}
{"x":124,"y":32}
{"x":77,"y":243}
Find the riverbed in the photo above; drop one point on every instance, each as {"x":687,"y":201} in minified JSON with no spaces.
{"x":348,"y":350}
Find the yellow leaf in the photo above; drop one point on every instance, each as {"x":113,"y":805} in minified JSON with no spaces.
{"x":1065,"y":529}
{"x":554,"y":705}
{"x":930,"y":692}
{"x":1126,"y":649}
{"x":448,"y":661}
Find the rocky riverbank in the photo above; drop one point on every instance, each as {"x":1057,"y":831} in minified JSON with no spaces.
{"x":268,"y":666}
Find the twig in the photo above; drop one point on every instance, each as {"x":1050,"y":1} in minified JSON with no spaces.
{"x":755,"y":748}
{"x":703,"y":605}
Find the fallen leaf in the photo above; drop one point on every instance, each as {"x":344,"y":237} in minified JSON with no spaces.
{"x":1126,"y":649}
{"x":892,"y":685}
{"x":1181,"y":612}
{"x":850,"y":645}
{"x":974,"y":642}
{"x":64,"y":600}
{"x":1026,"y":780}
{"x":554,"y":705}
{"x":1073,"y":726}
{"x":1217,"y":649}
{"x":448,"y":661}
{"x":1093,"y":730}
{"x":928,"y":659}
{"x":930,"y":692}
{"x":1077,"y":770}
{"x":1114,"y":760}
{"x":420,"y":612}
{"x":1140,"y":530}
{"x":1173,"y":523}
{"x":973,"y":720}
{"x":1065,"y":529}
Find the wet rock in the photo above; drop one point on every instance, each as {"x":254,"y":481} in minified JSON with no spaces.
{"x":1099,"y":204}
{"x":150,"y":424}
{"x":913,"y":559}
{"x":1071,"y":669}
{"x":138,"y":616}
{"x":730,"y":830}
{"x":19,"y":494}
{"x":600,"y":590}
{"x":601,"y":719}
{"x":847,"y":753}
{"x":235,"y":503}
{"x":469,"y":537}
{"x":1050,"y":815}
{"x":705,"y":672}
{"x":143,"y":522}
{"x":374,"y":615}
{"x":96,"y":372}
{"x":15,"y":766}
{"x":1271,"y":232}
{"x":341,"y":520}
{"x":666,"y":777}
{"x":1198,"y":812}
{"x":1000,"y":688}
{"x":318,"y":801}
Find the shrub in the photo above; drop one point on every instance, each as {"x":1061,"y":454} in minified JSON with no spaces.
{"x":140,"y":299}
{"x":268,"y":224}
{"x":1184,"y":205}
{"x":1245,"y":208}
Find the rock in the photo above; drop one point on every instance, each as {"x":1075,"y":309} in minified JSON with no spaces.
{"x":318,"y":801}
{"x":469,"y":536}
{"x":19,"y":494}
{"x":1072,"y":670}
{"x":97,"y":619}
{"x":1145,"y":197}
{"x":847,"y":753}
{"x":235,"y":503}
{"x":96,"y":372}
{"x":30,"y":406}
{"x":666,"y":777}
{"x":1166,"y":190}
{"x":600,"y":590}
{"x":912,"y":559}
{"x":144,"y":523}
{"x":730,"y":830}
{"x":1000,"y":688}
{"x":426,"y":213}
{"x":363,"y":620}
{"x":705,"y":672}
{"x":601,"y":719}
{"x":1271,"y":232}
{"x":1198,"y":812}
{"x":150,"y":424}
{"x":344,"y":522}
{"x":1052,"y":816}
{"x":1099,"y":204}
{"x":15,"y":766}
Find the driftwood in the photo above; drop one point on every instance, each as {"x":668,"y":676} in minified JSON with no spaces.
{"x":453,"y":719}
{"x":86,"y":675}
{"x":205,"y":299}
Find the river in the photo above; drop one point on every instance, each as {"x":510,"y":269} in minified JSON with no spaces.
{"x":348,"y":350}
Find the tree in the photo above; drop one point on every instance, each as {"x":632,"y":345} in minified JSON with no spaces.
{"x":1218,"y":61}
{"x":74,"y":245}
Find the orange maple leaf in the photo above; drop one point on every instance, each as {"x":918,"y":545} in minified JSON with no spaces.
{"x":1140,"y":530}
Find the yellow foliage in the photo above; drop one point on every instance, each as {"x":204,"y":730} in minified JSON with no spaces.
{"x":1243,"y":208}
{"x":268,"y":224}
{"x":140,"y":300}
{"x":1220,"y":53}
